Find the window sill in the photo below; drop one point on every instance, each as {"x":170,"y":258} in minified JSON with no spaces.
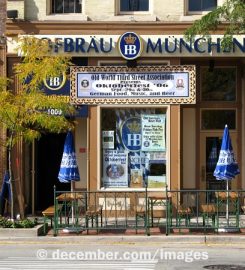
{"x":192,"y":17}
{"x":66,"y":17}
{"x":134,"y":17}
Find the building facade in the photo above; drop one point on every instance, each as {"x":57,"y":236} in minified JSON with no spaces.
{"x":146,"y":121}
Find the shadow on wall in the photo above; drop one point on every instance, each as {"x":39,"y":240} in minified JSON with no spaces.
{"x":32,"y":11}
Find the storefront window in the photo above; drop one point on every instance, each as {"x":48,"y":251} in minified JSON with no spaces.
{"x":218,"y":84}
{"x":133,"y":148}
{"x":217,"y":119}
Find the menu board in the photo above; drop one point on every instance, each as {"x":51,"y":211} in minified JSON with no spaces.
{"x":153,"y":132}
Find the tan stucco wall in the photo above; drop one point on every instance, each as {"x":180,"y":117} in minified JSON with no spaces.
{"x":189,"y":148}
{"x":107,"y":10}
{"x":17,"y":5}
{"x":82,"y":156}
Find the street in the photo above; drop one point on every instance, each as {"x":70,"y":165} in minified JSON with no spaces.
{"x":116,"y":253}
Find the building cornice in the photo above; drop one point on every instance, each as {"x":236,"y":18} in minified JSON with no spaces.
{"x":91,"y":28}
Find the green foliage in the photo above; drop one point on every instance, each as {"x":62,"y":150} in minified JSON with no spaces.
{"x":231,"y":14}
{"x":38,"y":62}
{"x":24,"y":113}
{"x":25,"y":223}
{"x":5,"y":223}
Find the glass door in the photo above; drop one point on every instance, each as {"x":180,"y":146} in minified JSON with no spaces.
{"x":210,"y":143}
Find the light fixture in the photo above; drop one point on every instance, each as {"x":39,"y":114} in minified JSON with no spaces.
{"x":12,"y":14}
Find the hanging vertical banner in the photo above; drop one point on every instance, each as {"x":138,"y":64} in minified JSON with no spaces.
{"x":115,"y":169}
{"x":153,"y":132}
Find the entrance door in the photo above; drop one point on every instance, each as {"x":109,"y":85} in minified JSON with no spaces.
{"x":48,"y":156}
{"x":210,"y":143}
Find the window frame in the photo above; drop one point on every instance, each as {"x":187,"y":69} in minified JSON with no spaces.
{"x":49,"y":9}
{"x":201,"y":12}
{"x":99,"y":143}
{"x":225,"y":108}
{"x":119,"y":12}
{"x":219,"y":101}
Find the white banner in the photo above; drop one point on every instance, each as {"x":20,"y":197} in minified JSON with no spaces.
{"x":132,"y":85}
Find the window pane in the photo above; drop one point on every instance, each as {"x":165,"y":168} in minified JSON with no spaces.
{"x":209,"y":5}
{"x":194,"y":5}
{"x":57,"y":6}
{"x":217,"y":119}
{"x":122,"y":138}
{"x":69,"y":6}
{"x":202,"y":5}
{"x":78,"y":8}
{"x":219,"y":84}
{"x":134,"y":5}
{"x":66,"y":6}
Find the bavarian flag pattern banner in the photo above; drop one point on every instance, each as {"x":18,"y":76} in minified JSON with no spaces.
{"x":128,"y":137}
{"x":227,"y":167}
{"x":68,"y":167}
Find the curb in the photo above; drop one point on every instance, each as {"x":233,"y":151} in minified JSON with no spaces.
{"x":133,"y":240}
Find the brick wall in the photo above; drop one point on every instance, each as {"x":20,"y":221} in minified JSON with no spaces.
{"x":2,"y":16}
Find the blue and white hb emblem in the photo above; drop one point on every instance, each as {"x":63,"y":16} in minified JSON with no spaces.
{"x":130,"y":45}
{"x":55,"y":83}
{"x":131,"y":134}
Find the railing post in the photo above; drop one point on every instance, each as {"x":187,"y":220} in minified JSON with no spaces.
{"x":147,"y":231}
{"x":55,"y":213}
{"x":167,"y":210}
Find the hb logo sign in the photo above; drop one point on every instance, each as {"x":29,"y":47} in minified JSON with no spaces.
{"x":131,"y":134}
{"x":130,"y":46}
{"x":55,"y":83}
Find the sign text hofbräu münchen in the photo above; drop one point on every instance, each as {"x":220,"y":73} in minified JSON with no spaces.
{"x":148,"y":45}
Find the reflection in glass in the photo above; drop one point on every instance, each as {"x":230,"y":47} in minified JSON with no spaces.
{"x":144,"y":167}
{"x":217,"y":119}
{"x":219,"y":84}
{"x":66,"y":6}
{"x":213,"y":145}
{"x":202,"y":5}
{"x":134,"y":5}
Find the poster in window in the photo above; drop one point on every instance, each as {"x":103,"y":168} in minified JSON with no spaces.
{"x":115,"y":168}
{"x":156,"y":181}
{"x":136,"y":178}
{"x":153,"y":132}
{"x":108,"y":139}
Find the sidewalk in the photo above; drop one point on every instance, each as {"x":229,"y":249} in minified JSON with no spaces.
{"x":224,"y":239}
